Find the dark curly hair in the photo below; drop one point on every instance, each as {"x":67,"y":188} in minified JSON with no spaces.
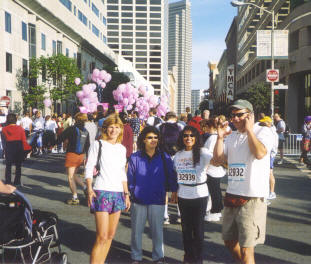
{"x":143,"y":134}
{"x":197,"y":145}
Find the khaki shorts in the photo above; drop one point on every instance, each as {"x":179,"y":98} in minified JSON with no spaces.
{"x":246,"y":224}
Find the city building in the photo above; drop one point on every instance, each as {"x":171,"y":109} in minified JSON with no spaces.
{"x":250,"y":70}
{"x":74,"y":28}
{"x":180,"y":50}
{"x":137,"y":30}
{"x":197,"y":96}
{"x":213,"y":71}
{"x":172,"y":87}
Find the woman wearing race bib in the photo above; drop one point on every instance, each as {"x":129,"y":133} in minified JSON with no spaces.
{"x":191,"y":165}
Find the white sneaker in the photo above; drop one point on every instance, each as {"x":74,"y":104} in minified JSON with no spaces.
{"x":272,"y":196}
{"x":212,"y":218}
{"x":166,"y":221}
{"x":54,"y":151}
{"x":280,"y":162}
{"x":178,"y":220}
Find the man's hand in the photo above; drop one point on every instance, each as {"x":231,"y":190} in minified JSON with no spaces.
{"x":249,"y":122}
{"x":174,"y":197}
{"x":222,"y":128}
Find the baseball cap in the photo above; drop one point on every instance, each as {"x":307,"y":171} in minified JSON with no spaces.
{"x":242,"y":104}
{"x":266,"y":119}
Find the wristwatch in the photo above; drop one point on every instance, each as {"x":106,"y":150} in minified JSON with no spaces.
{"x":126,"y":193}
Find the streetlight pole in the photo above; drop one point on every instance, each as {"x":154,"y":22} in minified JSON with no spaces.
{"x":238,"y":3}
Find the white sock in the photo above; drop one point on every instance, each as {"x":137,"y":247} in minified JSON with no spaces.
{"x":166,"y":211}
{"x":75,"y":196}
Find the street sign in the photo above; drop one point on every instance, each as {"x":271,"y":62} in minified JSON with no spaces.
{"x":6,"y":100}
{"x":272,"y":75}
{"x":264,"y":44}
{"x":281,"y":86}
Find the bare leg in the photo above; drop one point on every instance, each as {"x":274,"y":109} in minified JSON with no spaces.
{"x":72,"y":184}
{"x":272,"y":181}
{"x":235,"y":249}
{"x":79,"y":181}
{"x":106,"y":226}
{"x":248,"y":255}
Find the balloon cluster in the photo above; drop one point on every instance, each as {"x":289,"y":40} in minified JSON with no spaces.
{"x":130,"y":97}
{"x":87,"y":96}
{"x":47,"y":102}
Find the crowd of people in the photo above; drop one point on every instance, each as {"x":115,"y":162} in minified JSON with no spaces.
{"x":141,"y":165}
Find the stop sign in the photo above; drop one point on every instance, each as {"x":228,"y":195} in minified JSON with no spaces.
{"x":272,"y":75}
{"x":6,"y":100}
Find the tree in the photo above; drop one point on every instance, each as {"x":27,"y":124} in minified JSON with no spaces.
{"x":58,"y":74}
{"x":204,"y":105}
{"x":259,"y":96}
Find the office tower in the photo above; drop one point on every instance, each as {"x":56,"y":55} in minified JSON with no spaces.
{"x":180,"y":50}
{"x":137,"y":30}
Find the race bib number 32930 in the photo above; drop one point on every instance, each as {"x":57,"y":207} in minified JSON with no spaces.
{"x":236,"y":172}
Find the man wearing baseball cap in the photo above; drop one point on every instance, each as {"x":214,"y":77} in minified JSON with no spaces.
{"x":247,"y":152}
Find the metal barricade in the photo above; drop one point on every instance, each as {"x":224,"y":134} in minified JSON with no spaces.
{"x":293,"y":145}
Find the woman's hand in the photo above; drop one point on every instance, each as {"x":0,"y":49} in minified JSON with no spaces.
{"x":127,"y":203}
{"x":174,"y":198}
{"x":90,"y":196}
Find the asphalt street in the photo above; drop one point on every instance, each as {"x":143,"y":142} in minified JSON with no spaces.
{"x":288,"y":237}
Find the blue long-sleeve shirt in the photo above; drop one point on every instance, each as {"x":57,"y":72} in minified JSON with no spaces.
{"x":147,"y":180}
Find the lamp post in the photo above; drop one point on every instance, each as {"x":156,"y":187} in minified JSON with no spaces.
{"x":238,"y":3}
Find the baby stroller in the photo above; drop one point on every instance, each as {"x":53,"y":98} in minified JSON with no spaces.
{"x":26,"y":235}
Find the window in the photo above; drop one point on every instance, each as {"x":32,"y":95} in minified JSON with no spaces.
{"x":114,"y":46}
{"x":141,"y":66}
{"x":43,"y":46}
{"x":8,"y":26}
{"x":155,"y":66}
{"x":153,"y":21}
{"x":155,"y":2}
{"x":75,"y":10}
{"x":141,"y":34}
{"x":24,"y":31}
{"x":127,"y":21}
{"x":32,"y":40}
{"x":153,"y":53}
{"x":157,"y":41}
{"x":143,"y":47}
{"x":141,"y":59}
{"x":155,"y":28}
{"x":113,"y":33}
{"x":141,"y":14}
{"x":153,"y":34}
{"x":155,"y":79}
{"x":155,"y":59}
{"x":142,"y":72}
{"x":113,"y":20}
{"x":74,"y":56}
{"x":67,"y":4}
{"x":141,"y":21}
{"x":127,"y":46}
{"x":111,"y":7}
{"x":144,"y":2}
{"x":127,"y":2}
{"x":155,"y":15}
{"x":53,"y":47}
{"x":25,"y":68}
{"x":141,"y":53}
{"x":113,"y":40}
{"x":127,"y":8}
{"x":112,"y":14}
{"x":104,"y":39}
{"x":155,"y":8}
{"x":59,"y":47}
{"x":112,"y":1}
{"x":129,"y":58}
{"x":127,"y":34}
{"x":82,"y":17}
{"x":92,"y":66}
{"x":127,"y":27}
{"x":127,"y":40}
{"x":141,"y":28}
{"x":155,"y":47}
{"x":141,"y":8}
{"x":95,"y":10}
{"x":125,"y":14}
{"x":8,"y":60}
{"x":141,"y":40}
{"x":95,"y":30}
{"x":127,"y":53}
{"x":104,"y":20}
{"x":113,"y":27}
{"x":67,"y":52}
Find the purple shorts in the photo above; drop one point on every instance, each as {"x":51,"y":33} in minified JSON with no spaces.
{"x":106,"y":201}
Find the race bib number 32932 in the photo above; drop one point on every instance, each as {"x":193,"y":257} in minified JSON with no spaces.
{"x":236,"y":172}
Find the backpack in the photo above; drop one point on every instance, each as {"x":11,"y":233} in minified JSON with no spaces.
{"x":169,"y":136}
{"x":287,"y":130}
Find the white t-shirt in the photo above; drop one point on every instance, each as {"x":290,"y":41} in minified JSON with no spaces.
{"x":219,"y":171}
{"x":281,"y":125}
{"x":50,"y":125}
{"x":248,"y":176}
{"x":112,"y":166}
{"x":188,"y":174}
{"x":38,"y":123}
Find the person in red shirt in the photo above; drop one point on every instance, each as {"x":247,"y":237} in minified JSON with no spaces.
{"x":15,"y":145}
{"x":127,"y":140}
{"x":195,"y":121}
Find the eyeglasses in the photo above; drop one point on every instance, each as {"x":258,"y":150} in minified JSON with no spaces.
{"x":150,"y":137}
{"x":188,"y":135}
{"x":232,"y":115}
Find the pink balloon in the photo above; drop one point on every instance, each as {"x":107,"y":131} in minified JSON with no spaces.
{"x":129,"y":107}
{"x":93,"y":95}
{"x":95,"y":72}
{"x":79,"y":94}
{"x":125,"y":101}
{"x":83,"y":109}
{"x":47,"y":102}
{"x":34,"y":110}
{"x":85,"y":101}
{"x":86,"y":89}
{"x":94,"y":78}
{"x":107,"y":78}
{"x":77,"y":81}
{"x":122,"y":87}
{"x":102,"y":74}
{"x":103,"y":85}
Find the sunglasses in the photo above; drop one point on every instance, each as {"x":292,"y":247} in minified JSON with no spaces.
{"x":188,"y":135}
{"x":155,"y":137}
{"x":232,"y":115}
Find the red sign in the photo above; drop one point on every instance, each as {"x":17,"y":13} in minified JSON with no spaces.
{"x":5,"y":99}
{"x":272,"y":75}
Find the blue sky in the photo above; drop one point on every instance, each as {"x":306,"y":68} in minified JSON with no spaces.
{"x":211,"y":20}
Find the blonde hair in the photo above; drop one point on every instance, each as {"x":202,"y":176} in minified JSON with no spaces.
{"x":112,"y":119}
